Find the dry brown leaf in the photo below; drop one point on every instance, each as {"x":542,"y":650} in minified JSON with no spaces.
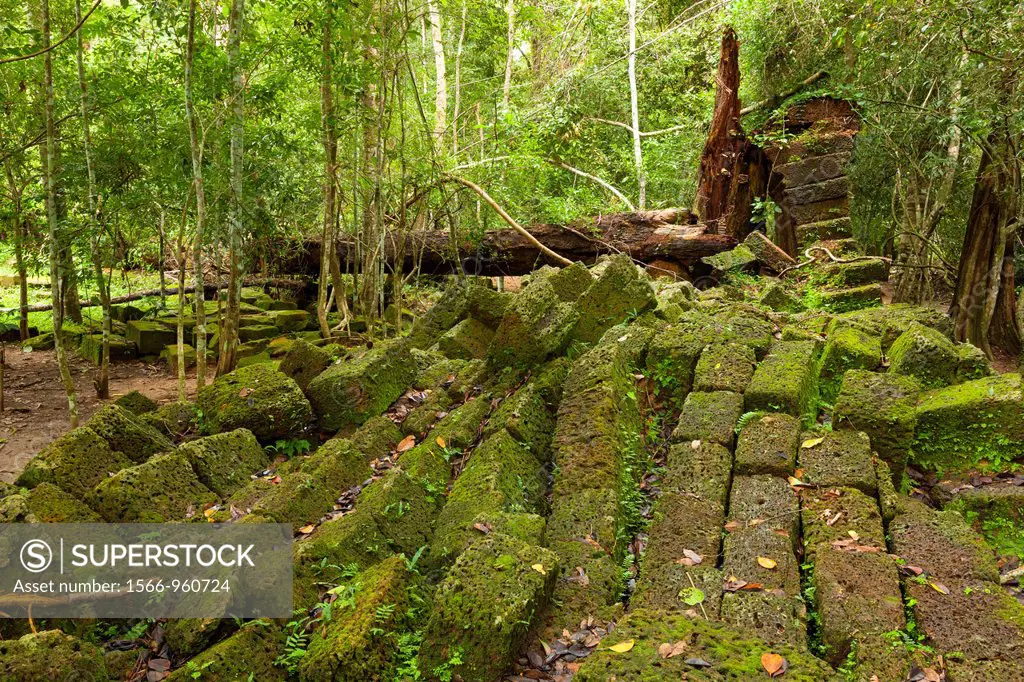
{"x":669,"y":650}
{"x":690,"y":558}
{"x":765,"y":562}
{"x":441,"y":441}
{"x":731,"y":526}
{"x":773,"y":664}
{"x":484,"y":528}
{"x":307,"y":529}
{"x":939,"y":587}
{"x":408,"y":443}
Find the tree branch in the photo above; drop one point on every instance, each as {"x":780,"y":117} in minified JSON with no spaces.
{"x":57,"y":44}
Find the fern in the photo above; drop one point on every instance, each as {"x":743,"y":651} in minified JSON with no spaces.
{"x":748,"y":417}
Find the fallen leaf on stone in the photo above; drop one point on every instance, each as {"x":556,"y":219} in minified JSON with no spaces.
{"x":441,"y":441}
{"x":484,"y":528}
{"x":695,"y":444}
{"x":733,"y":584}
{"x":622,"y":647}
{"x":691,"y":596}
{"x":939,"y":587}
{"x":579,"y":576}
{"x":811,"y":442}
{"x":765,"y":562}
{"x":782,"y":532}
{"x":697,"y":663}
{"x":539,"y":568}
{"x":753,"y":523}
{"x":799,"y":473}
{"x":912,"y":570}
{"x":244,"y":393}
{"x":276,"y":480}
{"x":731,"y":526}
{"x":690,"y":558}
{"x":306,"y":530}
{"x":851,"y":545}
{"x":773,"y":664}
{"x":408,"y":443}
{"x":796,"y":482}
{"x":590,"y":540}
{"x":669,"y":650}
{"x":854,"y":535}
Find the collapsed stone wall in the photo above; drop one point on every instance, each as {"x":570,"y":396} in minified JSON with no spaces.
{"x":599,"y":462}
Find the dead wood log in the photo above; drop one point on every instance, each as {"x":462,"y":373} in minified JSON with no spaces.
{"x":670,"y":235}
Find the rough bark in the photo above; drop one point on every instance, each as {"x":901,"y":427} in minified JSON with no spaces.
{"x":729,"y":164}
{"x":634,"y":107}
{"x":330,"y":142}
{"x":669,"y":235}
{"x":440,"y":79}
{"x":196,"y":147}
{"x":506,"y":91}
{"x":50,"y":182}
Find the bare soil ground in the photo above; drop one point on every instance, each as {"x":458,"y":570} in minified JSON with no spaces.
{"x":37,"y":409}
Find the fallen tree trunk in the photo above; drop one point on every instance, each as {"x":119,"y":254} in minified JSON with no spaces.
{"x":668,"y":235}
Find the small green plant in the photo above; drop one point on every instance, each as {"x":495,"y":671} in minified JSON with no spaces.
{"x":408,"y":669}
{"x":289,"y":448}
{"x":446,"y":671}
{"x":747,"y":418}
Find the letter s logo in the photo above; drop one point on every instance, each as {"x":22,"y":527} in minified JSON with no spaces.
{"x":36,"y":556}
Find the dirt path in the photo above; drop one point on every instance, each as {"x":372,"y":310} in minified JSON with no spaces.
{"x":37,"y":410}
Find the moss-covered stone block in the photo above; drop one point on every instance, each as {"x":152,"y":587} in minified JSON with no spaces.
{"x":854,"y":298}
{"x":667,"y":587}
{"x":681,"y":522}
{"x":777,"y":619}
{"x":91,"y":348}
{"x":223,"y":462}
{"x":160,"y":490}
{"x":709,"y":417}
{"x":764,"y":501}
{"x":976,"y":424}
{"x":940,"y":543}
{"x":484,"y":608}
{"x":357,"y":643}
{"x":46,"y":503}
{"x":488,"y":305}
{"x":376,"y":437}
{"x":569,"y":282}
{"x":734,"y":654}
{"x":50,"y":655}
{"x":258,"y":398}
{"x":889,"y":322}
{"x":973,"y":363}
{"x":75,"y":463}
{"x":403,"y":509}
{"x":768,"y":444}
{"x":177,"y":420}
{"x":468,"y":340}
{"x":529,"y":419}
{"x":42,"y":341}
{"x":452,"y":306}
{"x":127,"y":433}
{"x":833,"y":514}
{"x":926,"y":355}
{"x":847,"y":348}
{"x":289,"y":321}
{"x":536,"y":325}
{"x":777,"y":298}
{"x":303,"y":362}
{"x":702,"y":472}
{"x":837,"y":459}
{"x":724,"y":367}
{"x":786,"y":380}
{"x":883,"y":407}
{"x":996,"y":510}
{"x":745,"y":550}
{"x":671,"y":361}
{"x":856,"y":273}
{"x":351,"y":392}
{"x":858,"y":600}
{"x":248,"y":654}
{"x":150,"y":336}
{"x":618,"y":292}
{"x":424,"y":415}
{"x":739,"y":257}
{"x":136,"y":403}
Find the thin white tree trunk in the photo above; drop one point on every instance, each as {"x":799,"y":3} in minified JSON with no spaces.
{"x":441,"y":80}
{"x":458,"y":83}
{"x":50,"y":182}
{"x":196,"y":145}
{"x":638,"y":155}
{"x":506,"y":92}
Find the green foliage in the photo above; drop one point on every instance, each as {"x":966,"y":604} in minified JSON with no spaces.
{"x":289,"y":448}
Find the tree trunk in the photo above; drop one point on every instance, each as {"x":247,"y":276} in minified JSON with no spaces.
{"x":50,"y":181}
{"x":19,"y":237}
{"x":330,"y":142}
{"x":441,"y":81}
{"x":182,"y":391}
{"x":229,"y":323}
{"x":667,"y":235}
{"x":196,"y":147}
{"x":95,"y":222}
{"x":729,"y":164}
{"x":458,"y":83}
{"x":371,"y":230}
{"x":634,"y":106}
{"x":506,"y":91}
{"x":984,"y":308}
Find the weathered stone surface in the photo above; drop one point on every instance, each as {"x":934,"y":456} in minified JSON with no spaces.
{"x":150,"y":337}
{"x":75,"y":463}
{"x":819,"y":211}
{"x":91,"y":348}
{"x":620,"y":291}
{"x":767,"y":252}
{"x":724,"y":367}
{"x":486,"y":605}
{"x":46,"y":503}
{"x":303,"y":362}
{"x":776,"y":297}
{"x":768,"y":445}
{"x":804,"y":171}
{"x":745,"y":550}
{"x":176,"y":420}
{"x":854,"y":298}
{"x":537,"y":324}
{"x":847,"y":348}
{"x":468,"y":340}
{"x":709,"y":416}
{"x":126,"y":433}
{"x":764,"y":501}
{"x":671,"y":361}
{"x":734,"y":654}
{"x":837,"y":459}
{"x":839,"y":514}
{"x":974,"y":424}
{"x":776,"y":618}
{"x":701,"y":472}
{"x":224,"y":462}
{"x":161,"y":490}
{"x":838,"y":227}
{"x":889,"y":322}
{"x":786,"y":380}
{"x":882,"y":406}
{"x":258,"y":398}
{"x":824,"y":190}
{"x":926,"y":355}
{"x":856,"y":273}
{"x":251,"y":651}
{"x":734,"y":259}
{"x":50,"y":655}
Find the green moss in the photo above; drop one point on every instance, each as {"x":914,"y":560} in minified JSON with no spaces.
{"x":536,"y":325}
{"x":403,"y":509}
{"x":75,"y":462}
{"x":854,"y":298}
{"x":974,"y":424}
{"x":160,"y":490}
{"x":376,"y":437}
{"x":136,"y":403}
{"x":881,"y":405}
{"x":451,"y":307}
{"x":150,"y":336}
{"x":188,"y":636}
{"x":735,"y":654}
{"x":303,"y":362}
{"x":739,"y":257}
{"x":889,"y":322}
{"x":224,"y":462}
{"x":487,"y":305}
{"x":709,"y":416}
{"x":423,"y":416}
{"x":838,"y":458}
{"x":46,"y":503}
{"x":485,"y":607}
{"x":776,"y":297}
{"x":768,"y":445}
{"x":671,"y":361}
{"x":618,"y":292}
{"x":358,"y":642}
{"x":501,"y":476}
{"x":940,"y":543}
{"x":569,"y":282}
{"x":258,"y":398}
{"x":468,"y":340}
{"x":289,"y":321}
{"x":351,"y":392}
{"x":527,"y":416}
{"x":702,"y":472}
{"x":847,"y":348}
{"x":249,"y":652}
{"x":50,"y":655}
{"x":177,"y":420}
{"x":926,"y":355}
{"x":724,"y":367}
{"x":786,"y":380}
{"x":831,"y":514}
{"x":126,"y":433}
